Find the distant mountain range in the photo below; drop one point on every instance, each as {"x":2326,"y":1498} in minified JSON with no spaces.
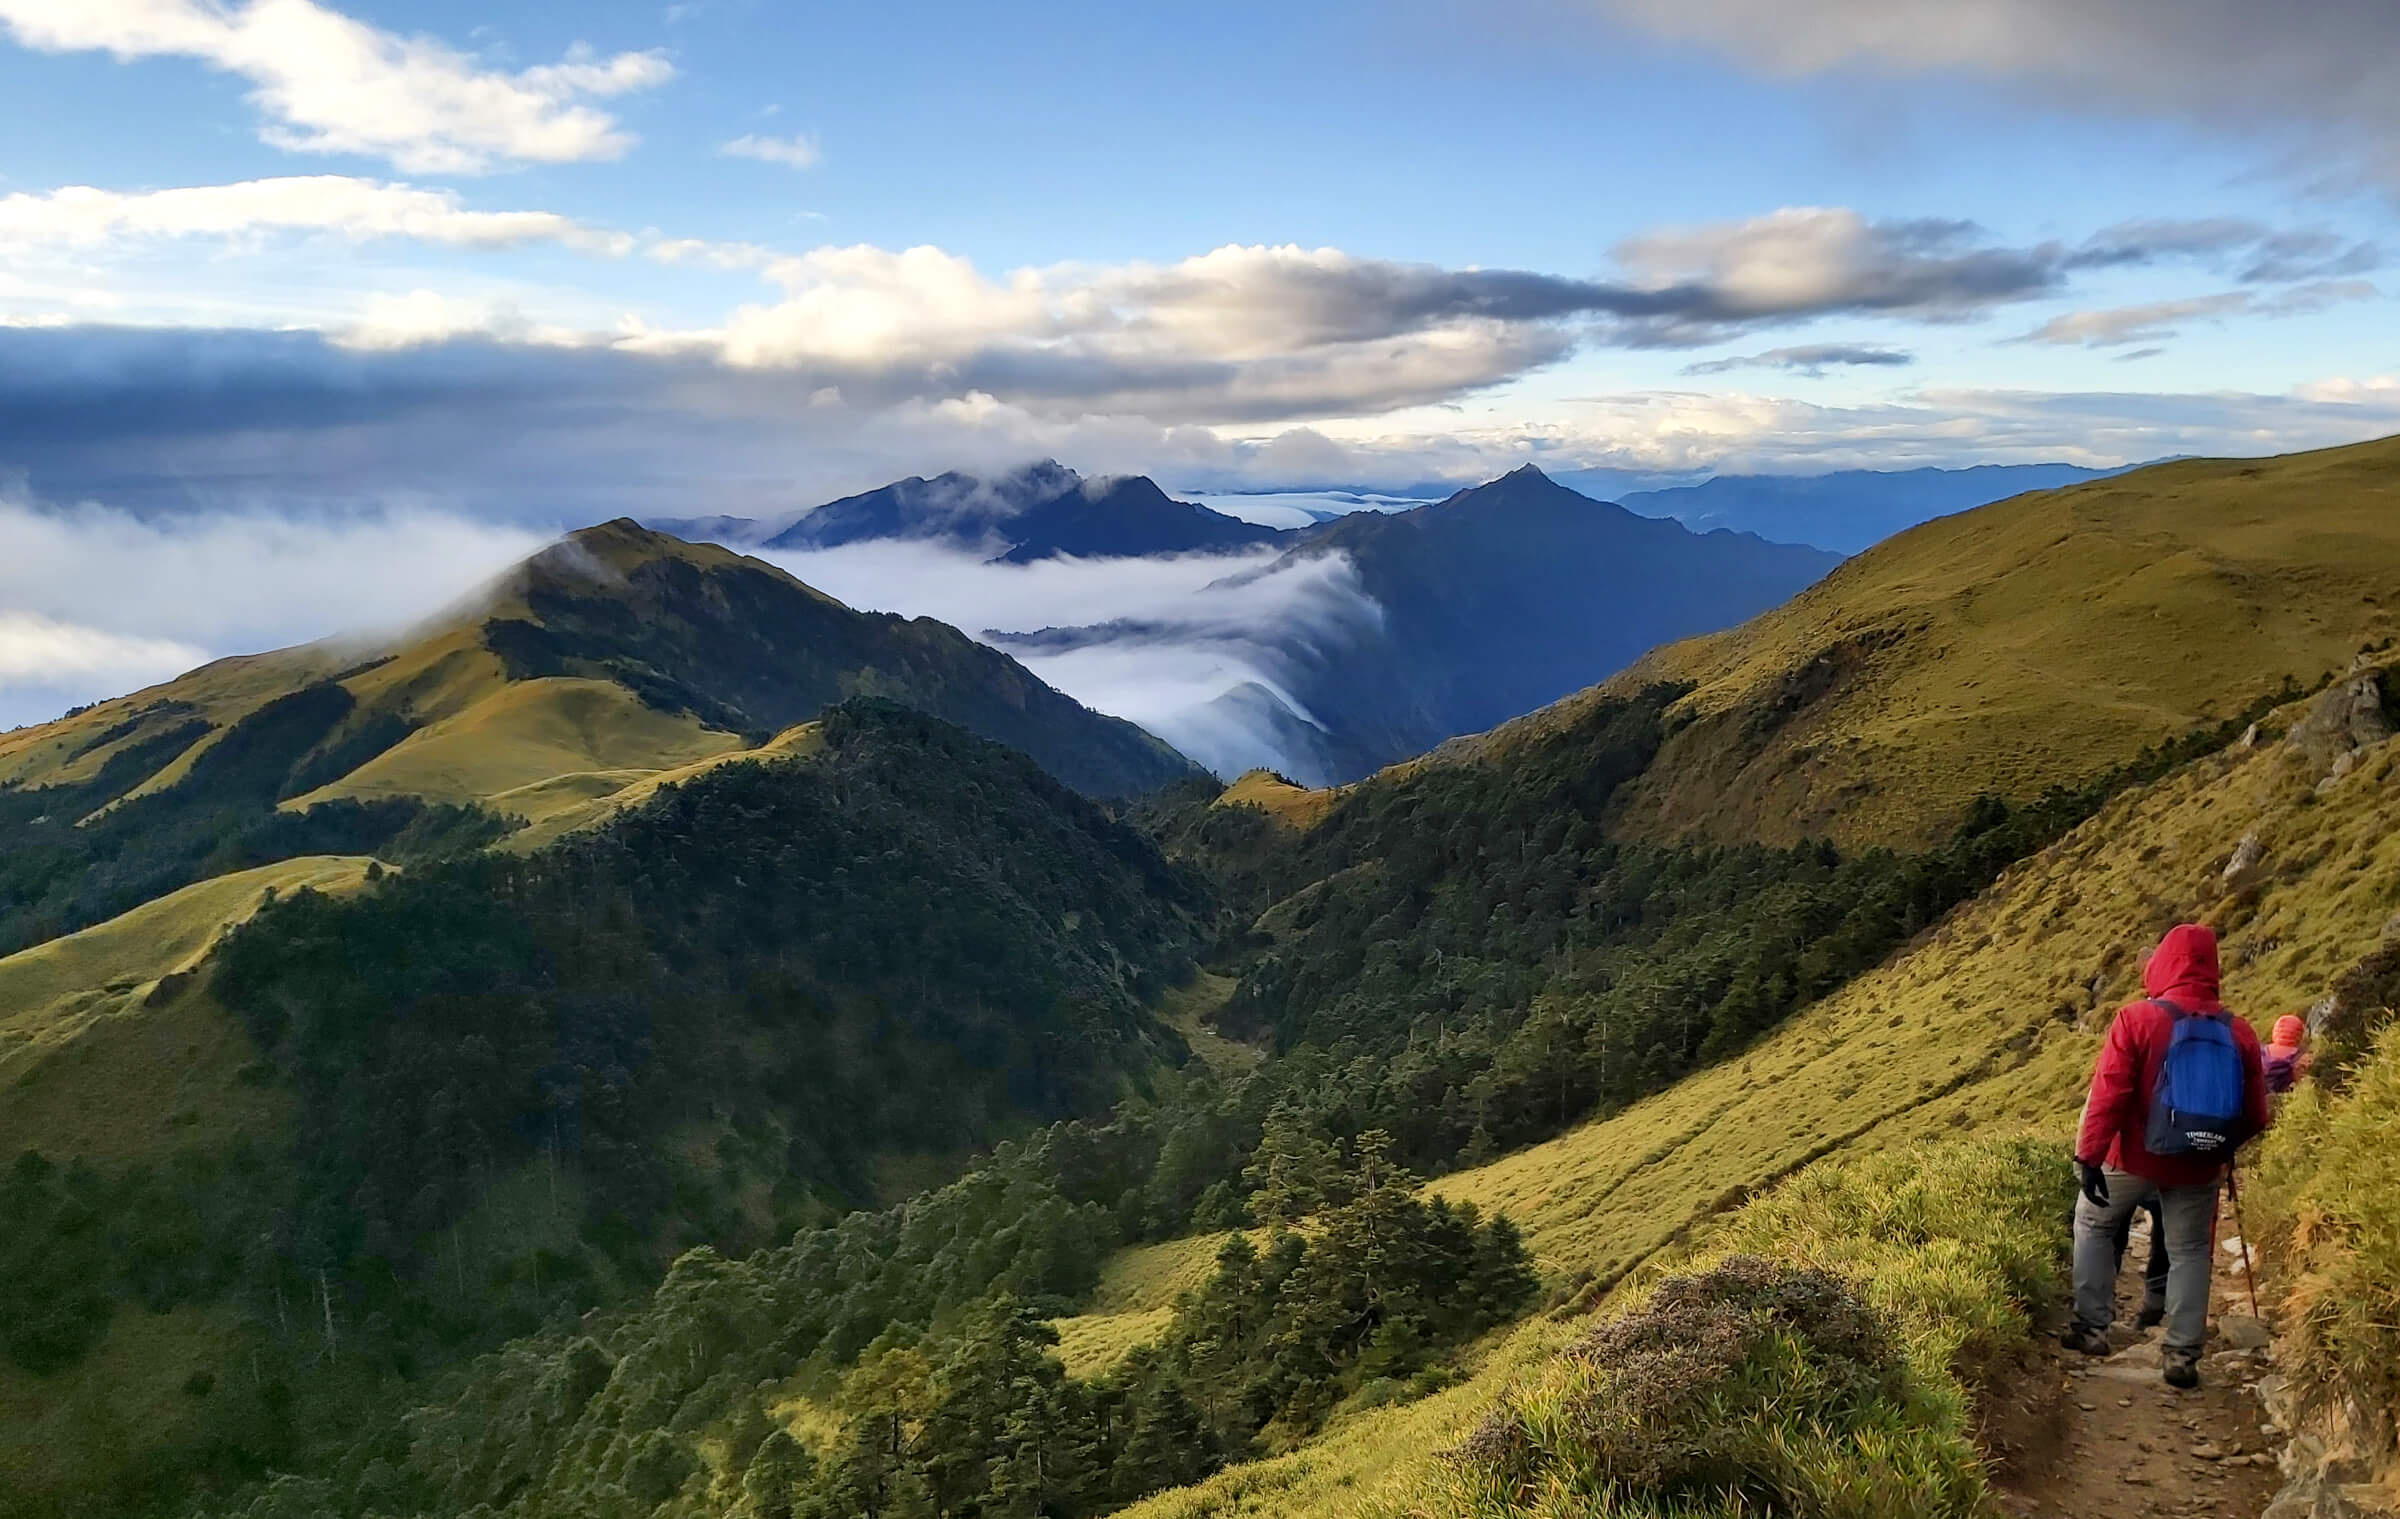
{"x":1461,"y":613}
{"x":1487,"y":604}
{"x":1042,"y":511}
{"x":1851,"y":509}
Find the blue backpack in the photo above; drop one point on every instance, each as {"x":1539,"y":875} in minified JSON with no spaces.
{"x":2197,"y":1108}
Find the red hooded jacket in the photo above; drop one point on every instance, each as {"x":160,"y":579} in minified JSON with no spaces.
{"x":2116,"y":1116}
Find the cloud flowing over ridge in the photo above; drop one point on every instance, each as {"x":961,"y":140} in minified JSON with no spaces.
{"x":1165,"y":640}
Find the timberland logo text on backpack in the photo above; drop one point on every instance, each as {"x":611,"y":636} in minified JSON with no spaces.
{"x":2197,"y":1106}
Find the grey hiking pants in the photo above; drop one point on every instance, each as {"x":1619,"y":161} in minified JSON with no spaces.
{"x":2188,"y":1216}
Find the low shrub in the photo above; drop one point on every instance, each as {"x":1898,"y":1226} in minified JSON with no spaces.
{"x":1820,"y":1360}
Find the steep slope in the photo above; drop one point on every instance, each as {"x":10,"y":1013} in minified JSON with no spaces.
{"x":456,"y":1102}
{"x":1042,"y":511}
{"x":724,"y":1393}
{"x":1986,"y":1025}
{"x":2012,"y":648}
{"x":614,"y":657}
{"x":1847,"y":510}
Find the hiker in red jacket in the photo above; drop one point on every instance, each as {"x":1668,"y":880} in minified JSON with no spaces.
{"x":2137,"y":1143}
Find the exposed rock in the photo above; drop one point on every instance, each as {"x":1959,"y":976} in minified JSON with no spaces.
{"x":2321,"y":1014}
{"x":2246,"y":856}
{"x":2347,"y":717}
{"x":2313,"y":1498}
{"x":2243,"y":1332}
{"x":2249,"y":739}
{"x":2343,"y":764}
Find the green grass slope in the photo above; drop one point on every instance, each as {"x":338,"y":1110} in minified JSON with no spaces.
{"x":1986,"y":1026}
{"x":2020,"y":645}
{"x":98,"y":1060}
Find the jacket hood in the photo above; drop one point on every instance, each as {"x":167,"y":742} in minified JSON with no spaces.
{"x":2183,"y":969}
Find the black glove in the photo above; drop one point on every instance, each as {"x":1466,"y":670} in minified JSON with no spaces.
{"x":2095,"y":1183}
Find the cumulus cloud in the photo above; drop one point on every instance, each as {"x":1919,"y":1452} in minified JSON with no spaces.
{"x":333,"y":84}
{"x":101,"y":600}
{"x":1241,"y":335}
{"x":799,"y":151}
{"x":2152,"y":321}
{"x":1257,"y":333}
{"x":1810,"y":359}
{"x":2321,"y":68}
{"x":80,"y":216}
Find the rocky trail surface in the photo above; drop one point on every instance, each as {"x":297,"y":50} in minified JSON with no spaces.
{"x":2106,"y":1438}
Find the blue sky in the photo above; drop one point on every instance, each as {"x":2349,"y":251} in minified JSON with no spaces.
{"x":521,"y":266}
{"x":1620,"y":142}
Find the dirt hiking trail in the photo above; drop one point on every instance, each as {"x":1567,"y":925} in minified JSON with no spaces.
{"x":2086,"y":1437}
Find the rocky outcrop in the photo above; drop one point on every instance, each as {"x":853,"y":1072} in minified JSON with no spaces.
{"x":2326,"y":1474}
{"x":2348,"y":716}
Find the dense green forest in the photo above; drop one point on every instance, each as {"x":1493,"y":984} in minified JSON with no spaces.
{"x":923,"y":1326}
{"x":524,"y":1082}
{"x":65,"y":864}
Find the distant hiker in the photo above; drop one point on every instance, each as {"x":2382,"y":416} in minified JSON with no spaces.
{"x":2179,"y":1085}
{"x":2286,"y":1054}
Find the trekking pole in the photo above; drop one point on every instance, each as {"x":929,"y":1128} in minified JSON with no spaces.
{"x":2233,"y":1189}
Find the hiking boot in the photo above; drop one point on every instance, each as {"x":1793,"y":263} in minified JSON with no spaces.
{"x":2086,"y":1340}
{"x":2182,"y":1369}
{"x":2149,"y":1317}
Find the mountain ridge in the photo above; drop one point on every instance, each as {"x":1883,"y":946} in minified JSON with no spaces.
{"x":2009,"y":648}
{"x":1041,"y":511}
{"x":605,"y":661}
{"x":1501,"y":598}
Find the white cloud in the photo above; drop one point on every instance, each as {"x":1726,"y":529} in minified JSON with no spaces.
{"x":101,"y":601}
{"x":2322,"y":67}
{"x":389,"y":321}
{"x":796,"y":152}
{"x":2143,"y":323}
{"x":2155,"y":320}
{"x":43,"y":651}
{"x":1180,"y":632}
{"x":333,"y":84}
{"x":358,"y":209}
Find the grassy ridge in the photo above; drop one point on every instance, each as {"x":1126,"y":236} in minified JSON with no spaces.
{"x":2014,"y":647}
